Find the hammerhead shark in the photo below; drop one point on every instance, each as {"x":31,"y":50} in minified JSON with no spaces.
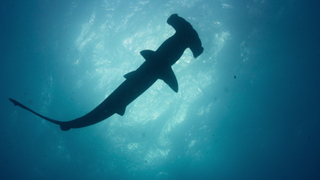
{"x":157,"y":66}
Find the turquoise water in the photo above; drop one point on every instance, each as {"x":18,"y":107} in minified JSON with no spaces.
{"x":247,"y":108}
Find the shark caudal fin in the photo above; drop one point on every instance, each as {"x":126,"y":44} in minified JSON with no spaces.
{"x":63,"y":125}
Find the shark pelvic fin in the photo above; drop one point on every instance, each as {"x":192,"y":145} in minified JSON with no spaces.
{"x":121,"y":111}
{"x":64,"y":127}
{"x":169,"y":78}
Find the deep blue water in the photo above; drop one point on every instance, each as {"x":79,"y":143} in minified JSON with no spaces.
{"x":247,"y":108}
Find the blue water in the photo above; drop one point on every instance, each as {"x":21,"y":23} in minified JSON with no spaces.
{"x":247,"y":108}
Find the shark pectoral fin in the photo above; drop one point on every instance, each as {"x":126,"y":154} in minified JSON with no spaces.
{"x":130,"y":74}
{"x":169,"y":78}
{"x":147,"y":54}
{"x":121,"y":111}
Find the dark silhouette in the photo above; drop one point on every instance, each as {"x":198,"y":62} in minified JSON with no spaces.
{"x":157,"y":66}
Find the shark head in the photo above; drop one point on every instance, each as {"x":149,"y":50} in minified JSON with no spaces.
{"x":185,"y":29}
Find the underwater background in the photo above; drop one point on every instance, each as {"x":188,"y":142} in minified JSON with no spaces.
{"x":247,"y":108}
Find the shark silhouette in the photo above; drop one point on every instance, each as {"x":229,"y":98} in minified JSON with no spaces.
{"x":157,"y":66}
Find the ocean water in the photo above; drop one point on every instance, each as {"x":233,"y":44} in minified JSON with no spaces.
{"x":247,"y":108}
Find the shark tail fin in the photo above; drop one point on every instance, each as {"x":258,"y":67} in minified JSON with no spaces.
{"x":63,"y":125}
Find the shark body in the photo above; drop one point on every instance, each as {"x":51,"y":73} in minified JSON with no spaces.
{"x":157,"y":66}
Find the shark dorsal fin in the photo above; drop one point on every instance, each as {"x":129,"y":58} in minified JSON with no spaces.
{"x":129,"y":74}
{"x":147,"y":54}
{"x":169,"y":78}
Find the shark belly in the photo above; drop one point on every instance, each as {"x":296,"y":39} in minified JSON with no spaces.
{"x":126,"y":93}
{"x":116,"y":102}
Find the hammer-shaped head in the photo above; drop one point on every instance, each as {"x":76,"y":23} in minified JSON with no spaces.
{"x":183,"y":27}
